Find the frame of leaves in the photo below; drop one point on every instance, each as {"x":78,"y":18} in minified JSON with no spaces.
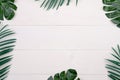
{"x":7,"y":11}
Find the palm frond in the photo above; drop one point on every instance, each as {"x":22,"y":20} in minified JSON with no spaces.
{"x":112,"y":8}
{"x":6,"y":46}
{"x":114,"y":65}
{"x":51,"y":4}
{"x":71,"y":74}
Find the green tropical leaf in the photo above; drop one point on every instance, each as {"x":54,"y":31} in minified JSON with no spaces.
{"x":50,"y":78}
{"x":114,"y":65}
{"x":7,"y":8}
{"x":6,"y":46}
{"x":112,"y":9}
{"x":51,"y":4}
{"x":63,"y":75}
{"x":71,"y":74}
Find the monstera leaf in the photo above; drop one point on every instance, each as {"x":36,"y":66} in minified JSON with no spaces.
{"x":7,"y":8}
{"x":114,"y":65}
{"x":51,"y":4}
{"x":71,"y":74}
{"x":6,"y":46}
{"x":112,"y":8}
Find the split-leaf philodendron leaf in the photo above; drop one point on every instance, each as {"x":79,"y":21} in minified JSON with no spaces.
{"x":6,"y":46}
{"x":112,"y":8}
{"x":71,"y":74}
{"x":7,"y":8}
{"x":114,"y":65}
{"x":51,"y":4}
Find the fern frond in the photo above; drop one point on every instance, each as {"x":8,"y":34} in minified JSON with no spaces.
{"x":6,"y":46}
{"x":114,"y":65}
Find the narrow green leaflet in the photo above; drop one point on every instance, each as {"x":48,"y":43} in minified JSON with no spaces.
{"x":112,"y":9}
{"x":7,"y":9}
{"x":113,"y":65}
{"x":51,"y":4}
{"x":71,"y":74}
{"x":6,"y":46}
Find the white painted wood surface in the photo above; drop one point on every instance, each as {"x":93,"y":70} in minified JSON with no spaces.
{"x":51,"y":41}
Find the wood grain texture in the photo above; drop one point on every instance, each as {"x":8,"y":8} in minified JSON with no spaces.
{"x":64,"y":37}
{"x":50,"y":62}
{"x":45,"y":50}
